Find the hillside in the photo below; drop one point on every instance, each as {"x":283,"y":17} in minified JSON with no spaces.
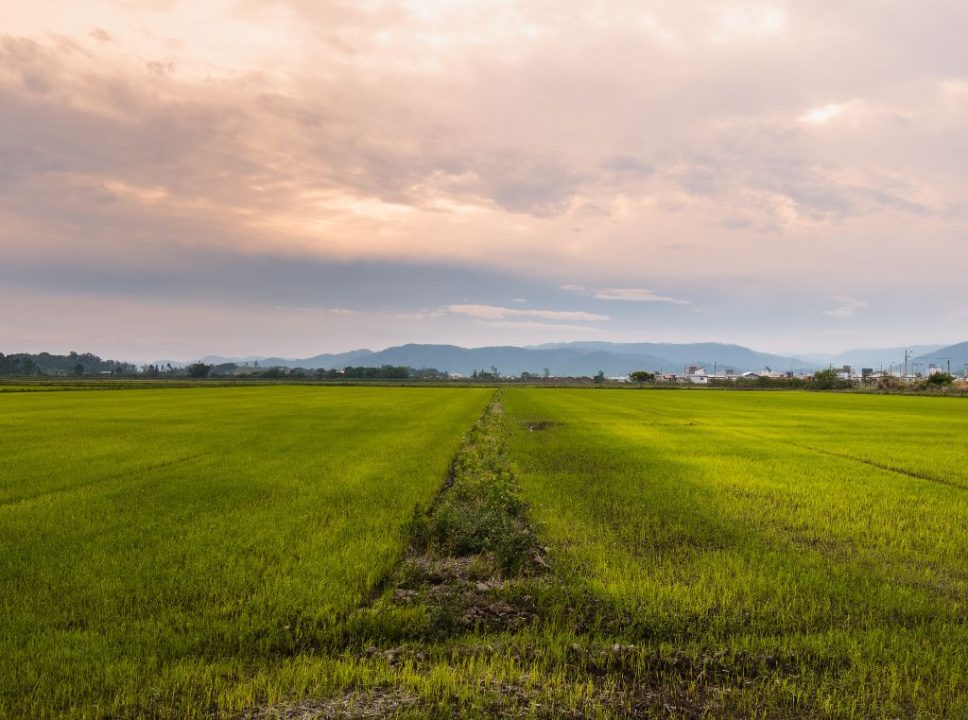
{"x":579,"y":358}
{"x":587,"y":358}
{"x":871,"y":357}
{"x":708,"y":354}
{"x":956,"y":355}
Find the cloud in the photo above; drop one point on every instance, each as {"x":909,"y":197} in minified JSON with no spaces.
{"x":626,"y":294}
{"x":636,"y":295}
{"x":494,"y":312}
{"x":820,"y":115}
{"x":420,"y":315}
{"x":848,"y":307}
{"x":624,"y":145}
{"x":583,"y":330}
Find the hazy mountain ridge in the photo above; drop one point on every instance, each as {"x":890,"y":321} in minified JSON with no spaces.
{"x":580,"y":358}
{"x":675,"y":356}
{"x":614,"y":359}
{"x":956,"y":355}
{"x":326,"y":360}
{"x":875,"y":358}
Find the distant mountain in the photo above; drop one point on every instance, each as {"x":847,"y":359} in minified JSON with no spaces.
{"x":676,"y":356}
{"x":325,"y":361}
{"x":561,"y":359}
{"x":613,"y":359}
{"x":873,"y":357}
{"x":512,"y":360}
{"x":956,"y":355}
{"x":220,"y":360}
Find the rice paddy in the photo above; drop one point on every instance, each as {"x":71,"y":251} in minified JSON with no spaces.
{"x":256,"y":552}
{"x":819,"y":538}
{"x":156,"y":544}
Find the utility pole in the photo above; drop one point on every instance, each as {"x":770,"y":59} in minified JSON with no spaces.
{"x":907,"y":355}
{"x":948,"y":361}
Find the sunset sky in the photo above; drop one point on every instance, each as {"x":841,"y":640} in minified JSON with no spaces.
{"x":290,"y":177}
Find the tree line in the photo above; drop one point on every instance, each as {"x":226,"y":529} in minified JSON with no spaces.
{"x":33,"y":364}
{"x":87,"y":364}
{"x":384,"y":372}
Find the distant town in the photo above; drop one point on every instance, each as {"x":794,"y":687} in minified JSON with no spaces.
{"x":697,"y":375}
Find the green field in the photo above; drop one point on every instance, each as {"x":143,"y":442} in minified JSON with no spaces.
{"x":156,"y":544}
{"x":808,"y":550}
{"x":217,"y":552}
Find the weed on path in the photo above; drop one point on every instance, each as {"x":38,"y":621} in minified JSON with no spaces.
{"x":474,"y":622}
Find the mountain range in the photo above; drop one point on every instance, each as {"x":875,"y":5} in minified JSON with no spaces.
{"x":953,"y":356}
{"x":614,"y":359}
{"x":871,"y":357}
{"x":579,"y":358}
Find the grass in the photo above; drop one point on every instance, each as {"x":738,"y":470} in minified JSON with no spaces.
{"x":157,"y":548}
{"x":283,"y":551}
{"x":785,"y":554}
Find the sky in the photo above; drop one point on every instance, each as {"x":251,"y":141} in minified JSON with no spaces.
{"x":181,"y":178}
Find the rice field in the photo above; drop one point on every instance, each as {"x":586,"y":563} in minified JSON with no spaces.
{"x":156,"y":545}
{"x":257,"y":552}
{"x":809,"y":547}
